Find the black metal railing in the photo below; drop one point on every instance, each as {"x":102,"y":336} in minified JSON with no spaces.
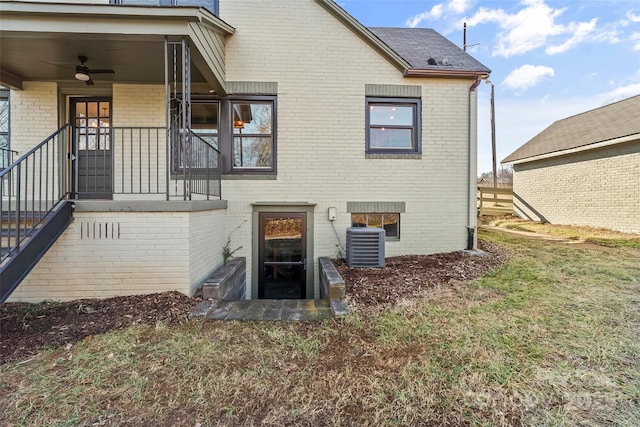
{"x":33,"y":185}
{"x":30,"y":188}
{"x":204,"y":167}
{"x":7,"y":157}
{"x":134,"y":161}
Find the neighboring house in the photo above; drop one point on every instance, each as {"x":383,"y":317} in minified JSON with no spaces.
{"x":583,"y":170}
{"x":253,"y":121}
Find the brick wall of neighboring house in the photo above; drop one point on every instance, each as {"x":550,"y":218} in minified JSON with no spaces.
{"x":598,"y":188}
{"x":321,"y":68}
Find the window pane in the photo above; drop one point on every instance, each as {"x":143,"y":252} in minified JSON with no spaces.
{"x":391,"y":222}
{"x":253,"y":119}
{"x":390,"y":138}
{"x":252,"y":152}
{"x":358,"y":220}
{"x":4,"y":115}
{"x":390,"y":115}
{"x":374,"y":220}
{"x":204,"y":117}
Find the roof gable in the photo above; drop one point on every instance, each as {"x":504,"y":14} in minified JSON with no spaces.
{"x":608,"y":123}
{"x":405,"y":48}
{"x":426,"y":49}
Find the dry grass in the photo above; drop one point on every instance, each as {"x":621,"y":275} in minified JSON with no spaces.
{"x":600,"y":236}
{"x":550,"y":338}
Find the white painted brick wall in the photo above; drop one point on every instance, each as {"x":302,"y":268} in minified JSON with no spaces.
{"x":598,"y":188}
{"x":104,"y":254}
{"x":151,"y":255}
{"x":34,"y":115}
{"x":206,"y":239}
{"x":139,"y":106}
{"x":322,"y":68}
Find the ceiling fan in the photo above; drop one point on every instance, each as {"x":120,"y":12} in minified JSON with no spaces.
{"x":83,"y":73}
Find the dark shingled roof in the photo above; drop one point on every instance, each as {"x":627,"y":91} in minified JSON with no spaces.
{"x":602,"y":124}
{"x":417,"y":45}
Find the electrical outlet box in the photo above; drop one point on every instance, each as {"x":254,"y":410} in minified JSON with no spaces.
{"x":332,"y":214}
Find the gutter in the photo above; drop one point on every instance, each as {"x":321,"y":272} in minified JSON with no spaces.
{"x":416,"y":72}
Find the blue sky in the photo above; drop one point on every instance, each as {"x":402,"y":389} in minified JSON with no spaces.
{"x":550,"y":59}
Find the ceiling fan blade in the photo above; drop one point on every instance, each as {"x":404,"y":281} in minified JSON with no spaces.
{"x":90,"y":82}
{"x":102,"y":71}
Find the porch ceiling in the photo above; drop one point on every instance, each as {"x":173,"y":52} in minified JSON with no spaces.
{"x":44,"y":44}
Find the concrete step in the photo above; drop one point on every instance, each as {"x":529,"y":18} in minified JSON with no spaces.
{"x":269,"y":310}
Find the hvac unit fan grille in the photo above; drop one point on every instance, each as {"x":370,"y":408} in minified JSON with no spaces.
{"x":365,"y":247}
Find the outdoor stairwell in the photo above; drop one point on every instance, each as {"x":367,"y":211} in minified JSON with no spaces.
{"x":25,"y":238}
{"x":34,"y":210}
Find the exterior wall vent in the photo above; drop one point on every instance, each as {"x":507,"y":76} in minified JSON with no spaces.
{"x":365,"y":247}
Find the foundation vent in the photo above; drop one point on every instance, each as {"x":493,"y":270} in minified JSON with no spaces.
{"x":99,"y":230}
{"x":365,"y":247}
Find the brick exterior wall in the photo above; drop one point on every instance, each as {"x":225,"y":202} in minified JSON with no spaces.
{"x":598,"y":188}
{"x":206,"y":240}
{"x":321,"y":130}
{"x":322,"y":70}
{"x":104,"y":254}
{"x":34,"y":115}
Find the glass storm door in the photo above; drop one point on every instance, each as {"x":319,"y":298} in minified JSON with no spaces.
{"x":282,"y":256}
{"x":91,"y":148}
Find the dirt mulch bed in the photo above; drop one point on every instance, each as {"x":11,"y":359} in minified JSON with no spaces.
{"x":26,"y":328}
{"x":414,"y":277}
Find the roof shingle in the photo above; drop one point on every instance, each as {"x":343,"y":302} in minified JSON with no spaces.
{"x":606,"y":123}
{"x":418,"y":45}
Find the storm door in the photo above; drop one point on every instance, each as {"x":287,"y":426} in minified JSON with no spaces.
{"x":282,"y":256}
{"x":91,"y":148}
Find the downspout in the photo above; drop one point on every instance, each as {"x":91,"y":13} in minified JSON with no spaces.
{"x":471,"y":226}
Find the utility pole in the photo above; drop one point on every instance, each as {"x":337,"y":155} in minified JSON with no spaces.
{"x":493,"y":133}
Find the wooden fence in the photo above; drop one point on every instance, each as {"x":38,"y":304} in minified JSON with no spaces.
{"x":495,"y":201}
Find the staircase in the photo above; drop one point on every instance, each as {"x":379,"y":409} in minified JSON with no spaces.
{"x":34,"y":210}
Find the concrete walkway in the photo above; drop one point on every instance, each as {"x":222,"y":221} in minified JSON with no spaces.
{"x":268,"y":309}
{"x":529,"y":234}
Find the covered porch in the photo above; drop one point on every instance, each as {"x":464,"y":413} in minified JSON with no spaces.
{"x":109,"y":89}
{"x":102,"y":119}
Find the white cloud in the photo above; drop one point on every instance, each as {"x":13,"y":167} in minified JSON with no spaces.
{"x":455,"y":7}
{"x":434,"y":13}
{"x":581,"y":32}
{"x":633,"y":17}
{"x":527,"y":76}
{"x":532,"y":27}
{"x":635,"y":38}
{"x":621,"y":92}
{"x":459,"y":6}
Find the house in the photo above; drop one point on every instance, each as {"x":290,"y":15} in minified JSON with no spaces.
{"x":583,"y":170}
{"x":171,"y":134}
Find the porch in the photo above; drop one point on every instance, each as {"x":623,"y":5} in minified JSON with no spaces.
{"x":101,"y":175}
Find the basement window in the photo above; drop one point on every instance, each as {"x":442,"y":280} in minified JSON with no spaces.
{"x":389,"y":221}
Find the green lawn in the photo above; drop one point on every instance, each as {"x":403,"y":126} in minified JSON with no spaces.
{"x":552,"y":338}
